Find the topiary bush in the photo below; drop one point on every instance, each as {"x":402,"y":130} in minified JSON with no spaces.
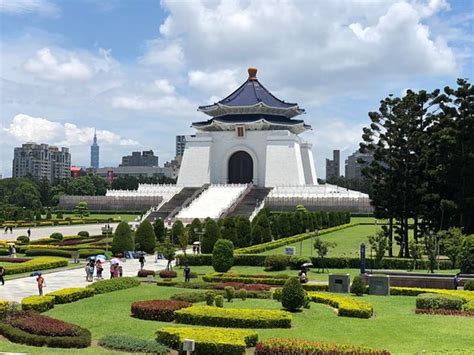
{"x":229,"y":293}
{"x":84,"y":234}
{"x":145,"y":273}
{"x":276,"y":262}
{"x":469,"y":285}
{"x":242,"y":294}
{"x":358,"y":286}
{"x":120,"y":283}
{"x":123,"y":240}
{"x":23,"y":239}
{"x":145,"y":237}
{"x":223,"y":255}
{"x":168,"y":274}
{"x":210,"y":237}
{"x":210,"y":297}
{"x":57,"y":236}
{"x":133,"y":345}
{"x":219,"y":300}
{"x":37,"y":303}
{"x":292,"y":295}
{"x":67,"y":295}
{"x":438,"y":301}
{"x":160,"y":310}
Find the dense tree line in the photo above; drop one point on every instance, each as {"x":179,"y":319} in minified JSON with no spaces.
{"x":423,"y":168}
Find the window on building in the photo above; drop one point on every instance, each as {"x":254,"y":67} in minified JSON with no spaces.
{"x":240,"y":131}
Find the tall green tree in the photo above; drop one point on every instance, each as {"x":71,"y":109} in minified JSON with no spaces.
{"x":123,"y":239}
{"x":243,"y":232}
{"x":210,"y":237}
{"x":145,"y":238}
{"x":160,"y":230}
{"x":177,"y":230}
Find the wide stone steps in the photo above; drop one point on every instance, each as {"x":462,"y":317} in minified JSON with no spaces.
{"x":250,"y":202}
{"x":176,"y":201}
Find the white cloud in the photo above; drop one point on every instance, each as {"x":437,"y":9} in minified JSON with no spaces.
{"x":219,"y":82}
{"x":46,"y":65}
{"x":26,"y":128}
{"x":165,"y":106}
{"x":164,"y":86}
{"x":20,"y":7}
{"x":159,"y":52}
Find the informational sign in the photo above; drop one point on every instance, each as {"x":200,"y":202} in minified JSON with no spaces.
{"x":290,"y":250}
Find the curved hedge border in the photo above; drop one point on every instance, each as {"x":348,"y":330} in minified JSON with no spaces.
{"x":209,"y":341}
{"x":110,"y":285}
{"x":41,"y":263}
{"x":82,"y":340}
{"x":67,"y":295}
{"x":160,"y":310}
{"x":467,"y":296}
{"x":293,"y":346}
{"x":37,"y":303}
{"x":132,"y":345}
{"x":245,"y":278}
{"x":234,"y":318}
{"x":48,"y":252}
{"x":347,"y":306}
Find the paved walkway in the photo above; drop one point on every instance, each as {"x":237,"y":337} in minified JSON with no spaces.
{"x":17,"y":289}
{"x":42,"y":232}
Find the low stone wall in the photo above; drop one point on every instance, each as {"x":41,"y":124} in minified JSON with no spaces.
{"x":420,"y":281}
{"x":97,"y":203}
{"x":361,"y":205}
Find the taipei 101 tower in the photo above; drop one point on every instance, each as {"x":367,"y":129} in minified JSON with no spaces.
{"x":95,"y":153}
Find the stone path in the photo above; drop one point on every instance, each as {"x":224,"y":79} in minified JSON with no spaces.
{"x":42,"y":232}
{"x":17,"y":289}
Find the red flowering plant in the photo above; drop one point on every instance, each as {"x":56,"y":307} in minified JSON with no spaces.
{"x":160,"y":310}
{"x":38,"y":324}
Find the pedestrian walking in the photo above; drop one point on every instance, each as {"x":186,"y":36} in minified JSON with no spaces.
{"x":10,"y":250}
{"x":112,"y":271}
{"x":99,"y":268}
{"x":11,"y":229}
{"x":120,"y":271}
{"x":40,"y":283}
{"x":2,"y":274}
{"x":116,"y":271}
{"x":14,"y":252}
{"x":28,"y":232}
{"x":187,"y":273}
{"x":142,"y":261}
{"x":6,"y":229}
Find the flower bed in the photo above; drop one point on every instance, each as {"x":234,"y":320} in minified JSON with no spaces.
{"x":347,"y":306}
{"x":237,"y":318}
{"x":161,"y":310}
{"x":209,"y":341}
{"x":445,"y":312}
{"x":241,"y":285}
{"x":37,"y":303}
{"x":47,"y":252}
{"x":120,"y":283}
{"x":132,"y":345}
{"x":67,"y":295}
{"x":246,"y":278}
{"x":293,"y":346}
{"x":41,"y":263}
{"x":14,"y":260}
{"x":37,"y":330}
{"x":438,"y":301}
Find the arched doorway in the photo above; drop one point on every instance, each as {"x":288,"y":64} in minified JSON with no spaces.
{"x":240,"y":170}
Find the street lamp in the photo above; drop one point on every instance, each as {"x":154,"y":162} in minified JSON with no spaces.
{"x":107,"y":230}
{"x":199,"y":233}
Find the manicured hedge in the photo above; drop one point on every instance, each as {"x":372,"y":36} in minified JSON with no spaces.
{"x":347,"y":306}
{"x":67,"y":295}
{"x":132,"y":345}
{"x":438,"y":301}
{"x":209,"y":341}
{"x":168,"y":274}
{"x":260,"y":248}
{"x":37,"y":303}
{"x":294,"y":346}
{"x":85,"y":253}
{"x":4,"y":305}
{"x":120,"y":283}
{"x":234,"y":318}
{"x":40,"y":263}
{"x":35,"y":323}
{"x":161,"y":310}
{"x":246,"y":278}
{"x":39,"y":324}
{"x":197,"y":296}
{"x":169,"y":283}
{"x":145,"y":273}
{"x":241,"y":285}
{"x":467,"y":296}
{"x":48,"y":252}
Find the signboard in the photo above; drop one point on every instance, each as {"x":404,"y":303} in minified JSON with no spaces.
{"x":290,"y":250}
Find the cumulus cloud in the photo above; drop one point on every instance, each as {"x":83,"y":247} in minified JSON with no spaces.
{"x":159,"y":52}
{"x":26,"y":128}
{"x":219,"y":82}
{"x":20,"y":7}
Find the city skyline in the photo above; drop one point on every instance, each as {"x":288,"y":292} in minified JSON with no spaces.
{"x":141,"y":86}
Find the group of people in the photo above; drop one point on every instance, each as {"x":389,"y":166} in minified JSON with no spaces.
{"x":97,"y":266}
{"x":196,"y":249}
{"x":8,"y":228}
{"x":12,"y":251}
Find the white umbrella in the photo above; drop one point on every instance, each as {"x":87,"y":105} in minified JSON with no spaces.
{"x":196,"y":243}
{"x":101,"y":257}
{"x":115,"y":261}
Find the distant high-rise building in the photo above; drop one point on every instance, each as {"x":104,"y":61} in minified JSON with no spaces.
{"x":333,"y":166}
{"x":180,"y":145}
{"x":353,"y":169}
{"x":95,"y":153}
{"x":41,"y":161}
{"x":145,"y":158}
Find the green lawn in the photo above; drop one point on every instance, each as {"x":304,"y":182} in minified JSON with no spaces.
{"x":123,"y":217}
{"x":348,"y":242}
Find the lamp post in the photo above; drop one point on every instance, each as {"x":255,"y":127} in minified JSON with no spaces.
{"x":107,"y":230}
{"x":199,"y":233}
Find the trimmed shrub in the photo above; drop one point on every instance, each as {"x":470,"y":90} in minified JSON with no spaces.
{"x":278,"y":279}
{"x":467,"y":296}
{"x":67,"y":295}
{"x":219,"y":301}
{"x":292,"y":295}
{"x":35,"y":323}
{"x":209,"y":341}
{"x":145,"y":273}
{"x":48,"y":252}
{"x":132,"y":345}
{"x":241,"y":285}
{"x":123,"y":240}
{"x":276,"y":295}
{"x":210,"y":237}
{"x":23,"y":239}
{"x":223,"y":255}
{"x":168,"y":274}
{"x":37,"y":303}
{"x":41,"y":324}
{"x":276,"y":262}
{"x":192,"y":297}
{"x":295,"y":262}
{"x":167,"y":283}
{"x":242,"y":294}
{"x":469,"y":285}
{"x":145,"y":237}
{"x":57,"y":236}
{"x":234,"y":318}
{"x":466,"y":257}
{"x":293,"y":346}
{"x":160,"y":310}
{"x":469,"y":306}
{"x":358,"y":286}
{"x":41,"y":263}
{"x":210,"y":297}
{"x":83,"y":234}
{"x":229,"y":293}
{"x":347,"y":306}
{"x":120,"y":283}
{"x":437,"y":301}
{"x":84,"y":253}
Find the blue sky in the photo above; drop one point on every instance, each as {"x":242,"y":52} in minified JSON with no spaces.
{"x":137,"y":70}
